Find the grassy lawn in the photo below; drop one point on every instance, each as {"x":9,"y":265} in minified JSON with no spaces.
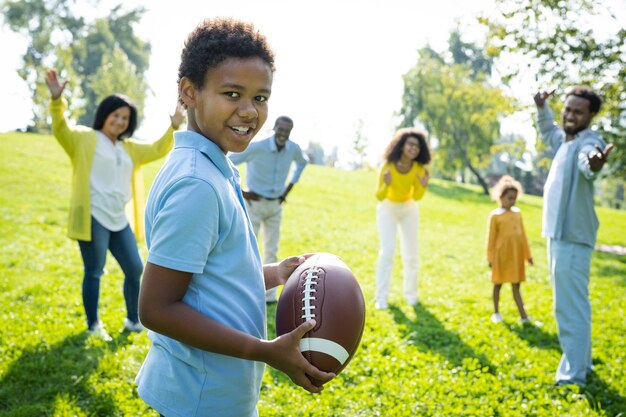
{"x":441,"y":358}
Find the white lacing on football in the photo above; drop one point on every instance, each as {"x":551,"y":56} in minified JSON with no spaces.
{"x":326,"y":346}
{"x":309,"y":294}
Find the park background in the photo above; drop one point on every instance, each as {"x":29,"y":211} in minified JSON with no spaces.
{"x":349,"y":73}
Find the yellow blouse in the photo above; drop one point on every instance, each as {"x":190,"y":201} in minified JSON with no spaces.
{"x":403,"y":187}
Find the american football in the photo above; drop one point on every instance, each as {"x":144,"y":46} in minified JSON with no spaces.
{"x":325,"y":289}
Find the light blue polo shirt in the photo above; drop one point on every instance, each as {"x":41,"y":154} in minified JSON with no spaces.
{"x":268,"y":168}
{"x":196,"y":222}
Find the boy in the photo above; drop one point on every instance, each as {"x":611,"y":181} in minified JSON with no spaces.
{"x":203,"y":288}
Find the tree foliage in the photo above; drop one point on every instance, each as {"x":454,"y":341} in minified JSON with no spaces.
{"x":557,"y":41}
{"x":459,"y":109}
{"x":98,"y":58}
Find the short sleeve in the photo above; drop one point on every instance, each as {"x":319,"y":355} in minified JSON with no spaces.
{"x":184,"y":227}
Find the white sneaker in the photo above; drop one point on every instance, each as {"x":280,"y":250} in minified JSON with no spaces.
{"x":381,"y":305}
{"x":131,"y":326}
{"x":97,"y":330}
{"x":496,"y":318}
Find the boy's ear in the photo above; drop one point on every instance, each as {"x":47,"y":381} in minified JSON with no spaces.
{"x":187,"y":92}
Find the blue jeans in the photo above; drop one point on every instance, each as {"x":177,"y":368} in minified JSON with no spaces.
{"x":123,"y":247}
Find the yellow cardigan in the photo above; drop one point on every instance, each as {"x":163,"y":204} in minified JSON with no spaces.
{"x":403,"y":186}
{"x":79,"y":142}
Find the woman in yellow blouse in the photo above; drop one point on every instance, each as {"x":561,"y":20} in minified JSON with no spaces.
{"x":507,"y":245}
{"x":106,"y":177}
{"x":402,"y":182}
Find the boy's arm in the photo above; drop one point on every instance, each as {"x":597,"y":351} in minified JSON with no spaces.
{"x":161,"y":309}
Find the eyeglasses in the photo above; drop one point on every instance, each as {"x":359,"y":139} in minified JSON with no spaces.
{"x":412,"y":145}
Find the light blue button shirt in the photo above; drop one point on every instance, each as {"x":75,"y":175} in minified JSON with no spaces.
{"x":568,"y":206}
{"x":268,"y":168}
{"x":196,"y":222}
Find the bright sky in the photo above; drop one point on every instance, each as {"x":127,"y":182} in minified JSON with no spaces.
{"x":337,"y":61}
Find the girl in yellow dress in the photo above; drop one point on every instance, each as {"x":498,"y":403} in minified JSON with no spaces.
{"x":507,"y":245}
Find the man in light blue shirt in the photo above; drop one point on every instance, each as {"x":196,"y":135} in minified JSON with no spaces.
{"x":268,"y":165}
{"x":570,"y":223}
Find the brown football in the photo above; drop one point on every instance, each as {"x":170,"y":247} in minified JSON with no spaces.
{"x":325,"y":289}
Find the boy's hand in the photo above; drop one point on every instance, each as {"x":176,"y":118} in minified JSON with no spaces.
{"x":278,"y":273}
{"x":286,"y":267}
{"x":530,"y":261}
{"x":284,"y":354}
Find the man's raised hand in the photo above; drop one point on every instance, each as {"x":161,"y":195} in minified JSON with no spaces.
{"x":542,"y":96}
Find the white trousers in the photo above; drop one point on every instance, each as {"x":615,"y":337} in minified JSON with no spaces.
{"x":265,"y":216}
{"x":391,"y":218}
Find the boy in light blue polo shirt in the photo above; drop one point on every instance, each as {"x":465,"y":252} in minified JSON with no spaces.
{"x":202,"y":294}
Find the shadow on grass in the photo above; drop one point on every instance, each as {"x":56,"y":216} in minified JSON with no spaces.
{"x":44,"y":373}
{"x":428,"y":334}
{"x":610,"y":265}
{"x":537,"y":337}
{"x":601,"y":396}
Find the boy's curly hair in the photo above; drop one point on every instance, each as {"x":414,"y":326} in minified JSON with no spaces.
{"x":504,"y":184}
{"x":215,"y":40}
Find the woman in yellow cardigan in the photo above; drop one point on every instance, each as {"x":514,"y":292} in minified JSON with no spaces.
{"x":402,"y":182}
{"x":106,"y":176}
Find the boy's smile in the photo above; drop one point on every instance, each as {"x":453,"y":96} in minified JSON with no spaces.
{"x":231,"y":107}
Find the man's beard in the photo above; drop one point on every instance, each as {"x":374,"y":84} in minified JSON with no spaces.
{"x":573,"y":130}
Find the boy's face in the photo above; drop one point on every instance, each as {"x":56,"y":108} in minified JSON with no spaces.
{"x":231,"y":107}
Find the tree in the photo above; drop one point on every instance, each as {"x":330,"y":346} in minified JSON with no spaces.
{"x":556,"y":41}
{"x":359,"y":145}
{"x":315,"y":153}
{"x":458,"y":108}
{"x":78,"y":49}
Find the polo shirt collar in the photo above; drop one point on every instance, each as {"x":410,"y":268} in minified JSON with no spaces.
{"x":190,"y":139}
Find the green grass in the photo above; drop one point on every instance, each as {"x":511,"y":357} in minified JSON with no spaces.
{"x":441,"y":358}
